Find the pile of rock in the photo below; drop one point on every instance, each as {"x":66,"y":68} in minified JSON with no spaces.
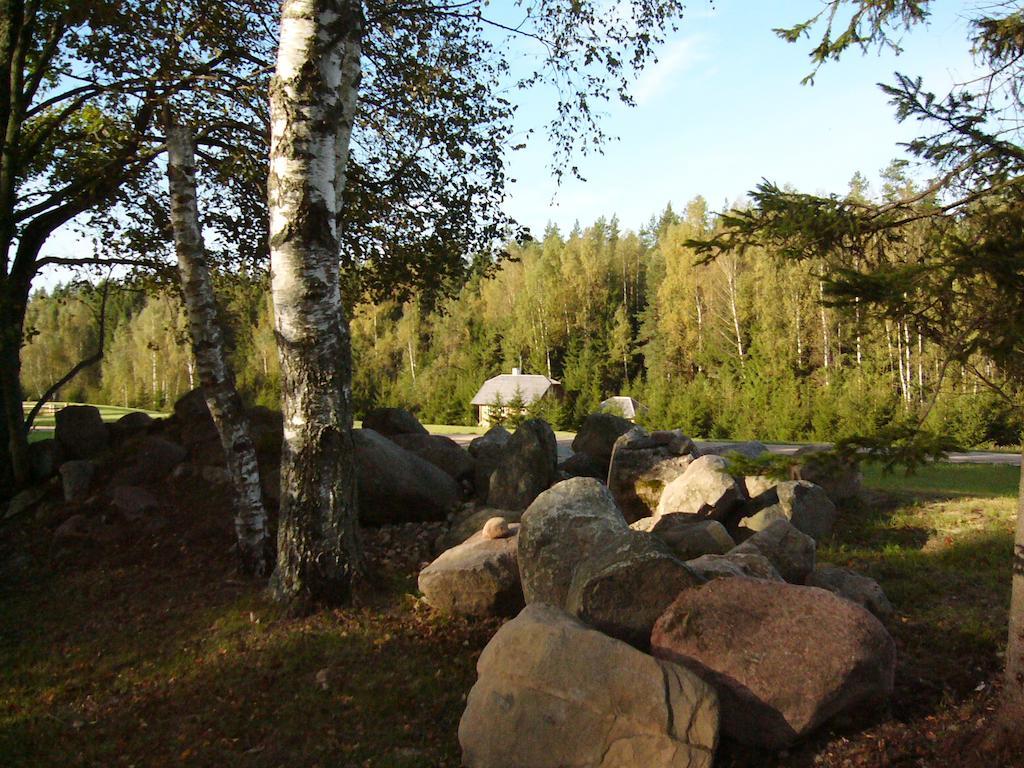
{"x":674,"y":570}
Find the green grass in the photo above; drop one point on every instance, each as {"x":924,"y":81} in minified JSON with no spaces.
{"x":986,"y":480}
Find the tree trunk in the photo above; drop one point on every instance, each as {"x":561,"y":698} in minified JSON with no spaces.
{"x":15,"y":472}
{"x":211,"y":362}
{"x":313,"y":99}
{"x":1014,"y":686}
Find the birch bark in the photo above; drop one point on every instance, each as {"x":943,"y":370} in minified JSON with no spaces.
{"x":313,"y":99}
{"x":215,"y":375}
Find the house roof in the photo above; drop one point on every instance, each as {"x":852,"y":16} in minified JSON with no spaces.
{"x":627,"y":406}
{"x":529,"y":386}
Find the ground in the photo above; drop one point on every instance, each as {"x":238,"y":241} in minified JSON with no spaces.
{"x":149,"y":649}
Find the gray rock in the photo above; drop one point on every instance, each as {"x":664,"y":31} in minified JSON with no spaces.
{"x":527,"y":466}
{"x":597,"y":436}
{"x":643,"y":464}
{"x":853,"y":586}
{"x":705,"y":489}
{"x":563,"y":527}
{"x":790,"y":551}
{"x":148,"y":460}
{"x":733,"y":565}
{"x":443,"y":452}
{"x":486,"y":452}
{"x":840,"y":479}
{"x":396,"y":486}
{"x":129,"y":425}
{"x":44,"y":457}
{"x":479,"y":577}
{"x":750,"y":449}
{"x":76,"y":478}
{"x":393,"y":421}
{"x":755,"y":485}
{"x":686,"y":536}
{"x":785,"y":659}
{"x":80,"y":432}
{"x":583,"y":465}
{"x":133,"y":502}
{"x":804,"y":504}
{"x":624,"y":587}
{"x":553,"y":693}
{"x":25,"y":500}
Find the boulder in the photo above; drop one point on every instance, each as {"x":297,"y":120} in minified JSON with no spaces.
{"x":486,"y":452}
{"x":747,"y":565}
{"x":624,"y":587}
{"x":785,"y":659}
{"x":130,"y":424}
{"x":191,"y":407}
{"x":705,"y":489}
{"x":80,"y":432}
{"x":790,"y":551}
{"x":583,"y":465}
{"x":396,"y":486}
{"x":643,"y":464}
{"x":497,"y":528}
{"x":527,"y":466}
{"x":552,"y":693}
{"x":597,"y":436}
{"x":840,"y":478}
{"x":443,"y":452}
{"x":148,"y":459}
{"x":853,"y":586}
{"x":76,"y":478}
{"x":687,"y":537}
{"x":44,"y":456}
{"x":393,"y":421}
{"x":479,"y":577}
{"x":133,"y":502}
{"x":198,"y":432}
{"x":755,"y":485}
{"x":804,"y":504}
{"x":472,"y":521}
{"x":24,"y":500}
{"x":562,"y":528}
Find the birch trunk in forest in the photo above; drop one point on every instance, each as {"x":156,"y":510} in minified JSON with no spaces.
{"x":215,"y":375}
{"x":313,"y":99}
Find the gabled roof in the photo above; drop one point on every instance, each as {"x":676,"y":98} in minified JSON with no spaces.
{"x":626,"y":406}
{"x":529,"y":386}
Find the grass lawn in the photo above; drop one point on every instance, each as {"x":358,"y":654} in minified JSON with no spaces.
{"x":151,"y":650}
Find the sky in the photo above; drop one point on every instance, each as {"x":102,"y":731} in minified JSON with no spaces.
{"x":724,"y":108}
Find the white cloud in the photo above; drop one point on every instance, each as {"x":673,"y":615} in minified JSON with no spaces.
{"x":675,"y":58}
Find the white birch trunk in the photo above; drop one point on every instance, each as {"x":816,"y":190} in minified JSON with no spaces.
{"x":313,"y":100}
{"x":1013,"y":690}
{"x":826,"y":344}
{"x":211,"y":362}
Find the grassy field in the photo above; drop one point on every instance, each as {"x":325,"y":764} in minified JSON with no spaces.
{"x":150,"y":650}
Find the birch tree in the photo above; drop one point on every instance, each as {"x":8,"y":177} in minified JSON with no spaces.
{"x":215,"y":375}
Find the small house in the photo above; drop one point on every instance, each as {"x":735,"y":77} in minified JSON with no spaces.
{"x":517,"y":388}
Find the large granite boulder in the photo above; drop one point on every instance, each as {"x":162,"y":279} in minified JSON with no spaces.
{"x":705,"y":489}
{"x":804,"y":504}
{"x":841,"y":478}
{"x":643,"y":464}
{"x":479,"y":577}
{"x":396,"y":486}
{"x":686,"y":536}
{"x":625,"y":586}
{"x":393,"y":421}
{"x":486,"y":452}
{"x":790,"y":551}
{"x":130,"y":424}
{"x":443,"y":452}
{"x":527,"y":466}
{"x":734,"y":564}
{"x":147,"y":460}
{"x":597,"y":437}
{"x":80,"y":432}
{"x":583,"y":465}
{"x":44,"y":457}
{"x":853,"y":586}
{"x":750,"y":449}
{"x":785,"y":659}
{"x":553,"y":693}
{"x":76,"y":478}
{"x":563,"y":527}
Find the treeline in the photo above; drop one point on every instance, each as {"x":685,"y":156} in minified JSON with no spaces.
{"x":742,"y":347}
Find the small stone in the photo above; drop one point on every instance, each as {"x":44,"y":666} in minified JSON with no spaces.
{"x":496,"y":528}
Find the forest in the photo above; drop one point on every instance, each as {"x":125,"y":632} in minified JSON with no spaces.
{"x":744,"y":347}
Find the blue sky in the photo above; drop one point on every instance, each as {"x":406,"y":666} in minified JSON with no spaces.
{"x":724,"y":108}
